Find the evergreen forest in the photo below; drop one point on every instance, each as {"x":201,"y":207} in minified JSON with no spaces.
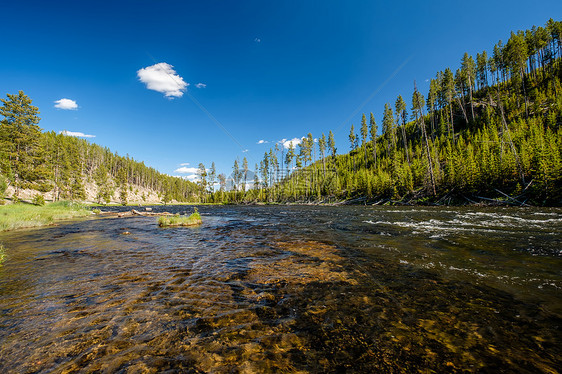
{"x":62,"y":164}
{"x":487,"y":131}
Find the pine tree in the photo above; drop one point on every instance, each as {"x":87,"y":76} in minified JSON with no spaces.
{"x":388,"y":126}
{"x":332,"y":145}
{"x":516,"y":51}
{"x":449,"y":90}
{"x":202,"y":173}
{"x":352,"y":138}
{"x":468,"y":74}
{"x":245,"y":171}
{"x":19,"y":140}
{"x":104,"y":188}
{"x":373,"y":133}
{"x":402,"y":114}
{"x":289,"y":157}
{"x":236,"y":176}
{"x":256,"y":178}
{"x":222,"y":182}
{"x":417,"y":108}
{"x":364,"y":133}
{"x":122,"y":179}
{"x":212,"y":176}
{"x":322,"y":149}
{"x":482,"y":69}
{"x":431,"y":101}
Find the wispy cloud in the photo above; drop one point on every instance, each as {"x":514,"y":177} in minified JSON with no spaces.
{"x":257,"y":40}
{"x":162,"y":78}
{"x":200,"y":85}
{"x":262,"y":142}
{"x":66,"y":104}
{"x":287,"y":143}
{"x":185,"y":164}
{"x":76,"y":134}
{"x":186,"y":170}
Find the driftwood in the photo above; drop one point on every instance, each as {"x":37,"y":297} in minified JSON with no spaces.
{"x":354,"y":201}
{"x":136,"y":213}
{"x":512,"y":198}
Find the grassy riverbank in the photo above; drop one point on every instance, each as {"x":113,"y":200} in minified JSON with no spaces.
{"x":21,"y":215}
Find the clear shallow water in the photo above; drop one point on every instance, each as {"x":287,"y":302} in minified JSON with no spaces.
{"x":287,"y":289}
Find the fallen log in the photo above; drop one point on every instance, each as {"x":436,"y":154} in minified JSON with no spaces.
{"x":135,"y":213}
{"x":521,"y":203}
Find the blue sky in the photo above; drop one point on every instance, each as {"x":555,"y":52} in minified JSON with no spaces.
{"x":269,"y":70}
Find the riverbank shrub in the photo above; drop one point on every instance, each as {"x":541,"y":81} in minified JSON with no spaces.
{"x":178,"y":220}
{"x":38,"y":199}
{"x":3,"y":188}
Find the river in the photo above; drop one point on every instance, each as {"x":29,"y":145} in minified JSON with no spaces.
{"x":298,"y":289}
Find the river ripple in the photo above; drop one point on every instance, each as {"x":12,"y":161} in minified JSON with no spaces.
{"x":287,"y":289}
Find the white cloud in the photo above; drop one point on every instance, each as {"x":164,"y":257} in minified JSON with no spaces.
{"x":76,"y":134}
{"x":200,"y":85}
{"x":257,"y":40}
{"x":262,"y":142}
{"x":185,"y":164}
{"x":66,"y":104}
{"x":162,"y":78}
{"x":186,"y":170}
{"x":287,"y":143}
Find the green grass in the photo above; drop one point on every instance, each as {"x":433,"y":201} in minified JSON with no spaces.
{"x":21,"y":215}
{"x":177,"y":220}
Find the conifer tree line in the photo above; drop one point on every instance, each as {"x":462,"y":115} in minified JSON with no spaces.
{"x":489,"y":129}
{"x":61,"y":164}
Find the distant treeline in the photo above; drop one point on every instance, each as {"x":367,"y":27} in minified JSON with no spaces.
{"x":50,"y":162}
{"x":487,"y":130}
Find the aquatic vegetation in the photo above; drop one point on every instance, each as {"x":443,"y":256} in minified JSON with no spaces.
{"x":21,"y":215}
{"x":178,"y":220}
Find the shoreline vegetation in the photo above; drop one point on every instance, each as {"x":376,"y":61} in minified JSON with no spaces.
{"x":24,"y":215}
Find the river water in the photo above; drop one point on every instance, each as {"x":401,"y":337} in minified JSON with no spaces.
{"x":299,"y":289}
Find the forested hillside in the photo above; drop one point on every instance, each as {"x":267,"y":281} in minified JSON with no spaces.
{"x":61,"y":166}
{"x":486,"y":131}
